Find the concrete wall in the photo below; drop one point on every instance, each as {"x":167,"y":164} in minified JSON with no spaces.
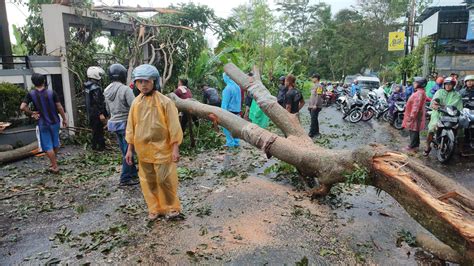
{"x":460,"y":64}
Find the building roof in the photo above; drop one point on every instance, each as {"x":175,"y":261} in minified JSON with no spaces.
{"x":428,"y":12}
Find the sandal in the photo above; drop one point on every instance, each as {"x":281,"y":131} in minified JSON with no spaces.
{"x":175,"y":216}
{"x":153,"y":216}
{"x":54,"y":170}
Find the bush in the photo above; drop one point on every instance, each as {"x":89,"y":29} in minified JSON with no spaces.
{"x":11,"y":96}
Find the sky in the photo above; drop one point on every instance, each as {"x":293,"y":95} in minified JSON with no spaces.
{"x":17,"y":13}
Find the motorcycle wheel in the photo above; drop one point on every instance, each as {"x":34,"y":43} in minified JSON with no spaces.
{"x":355,"y":116}
{"x":386,"y":116}
{"x":367,"y":115}
{"x":397,"y":123}
{"x":345,"y":109}
{"x":445,"y":149}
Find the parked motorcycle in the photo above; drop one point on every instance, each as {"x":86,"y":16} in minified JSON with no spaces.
{"x":397,"y":117}
{"x":381,"y":108}
{"x":355,"y":113}
{"x":467,"y":122}
{"x":445,"y":136}
{"x":329,"y":97}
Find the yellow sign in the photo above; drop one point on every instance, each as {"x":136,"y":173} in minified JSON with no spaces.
{"x":396,"y":41}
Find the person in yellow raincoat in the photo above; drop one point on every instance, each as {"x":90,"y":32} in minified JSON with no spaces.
{"x":154,"y":132}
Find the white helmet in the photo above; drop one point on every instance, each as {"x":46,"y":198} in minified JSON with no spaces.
{"x":95,"y":72}
{"x":469,"y":77}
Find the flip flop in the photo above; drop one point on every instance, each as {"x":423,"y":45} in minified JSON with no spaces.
{"x":54,"y":170}
{"x":153,"y":216}
{"x":175,"y":216}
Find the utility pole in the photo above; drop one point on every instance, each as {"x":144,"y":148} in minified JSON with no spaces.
{"x":407,"y":26}
{"x":412,"y":24}
{"x":5,"y":44}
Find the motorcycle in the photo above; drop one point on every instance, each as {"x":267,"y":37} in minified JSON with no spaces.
{"x":342,"y":100}
{"x":466,"y":121}
{"x":328,"y":98}
{"x":381,"y":108}
{"x":397,"y":117}
{"x":445,"y":136}
{"x":355,"y":113}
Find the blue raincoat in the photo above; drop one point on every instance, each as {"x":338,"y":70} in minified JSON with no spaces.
{"x":232,"y":102}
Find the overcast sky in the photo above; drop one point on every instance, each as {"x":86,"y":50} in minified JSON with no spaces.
{"x":17,"y":14}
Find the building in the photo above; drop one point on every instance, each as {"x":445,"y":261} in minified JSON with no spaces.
{"x":25,"y":66}
{"x":448,"y":27}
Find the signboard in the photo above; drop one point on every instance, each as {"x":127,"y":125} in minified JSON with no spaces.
{"x":470,"y":26}
{"x":396,"y":41}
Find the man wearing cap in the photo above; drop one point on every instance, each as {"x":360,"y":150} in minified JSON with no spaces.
{"x":154,"y":132}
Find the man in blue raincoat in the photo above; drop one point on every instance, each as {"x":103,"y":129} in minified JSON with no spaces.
{"x":231,"y":101}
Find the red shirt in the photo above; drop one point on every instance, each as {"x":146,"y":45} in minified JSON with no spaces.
{"x":183,"y":95}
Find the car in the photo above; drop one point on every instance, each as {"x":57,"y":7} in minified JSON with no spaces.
{"x":367,"y":84}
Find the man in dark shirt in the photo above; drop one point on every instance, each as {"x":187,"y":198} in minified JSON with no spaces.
{"x":95,"y":106}
{"x":294,"y":100}
{"x":184,"y":93}
{"x":282,"y":90}
{"x":210,"y":96}
{"x":47,"y":106}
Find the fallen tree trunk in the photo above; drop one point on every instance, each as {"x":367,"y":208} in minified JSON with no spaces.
{"x":20,"y":153}
{"x":417,"y":191}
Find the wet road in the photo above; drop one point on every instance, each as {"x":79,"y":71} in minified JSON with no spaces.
{"x":236,"y":213}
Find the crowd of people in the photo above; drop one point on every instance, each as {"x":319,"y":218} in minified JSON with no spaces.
{"x":149,"y":127}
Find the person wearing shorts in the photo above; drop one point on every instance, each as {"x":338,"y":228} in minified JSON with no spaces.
{"x":47,"y":106}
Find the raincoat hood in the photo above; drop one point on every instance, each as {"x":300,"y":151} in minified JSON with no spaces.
{"x":228,"y":81}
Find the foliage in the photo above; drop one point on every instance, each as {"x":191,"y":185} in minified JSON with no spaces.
{"x":359,"y":176}
{"x":11,"y":96}
{"x":19,"y":48}
{"x":407,"y":237}
{"x":32,"y":34}
{"x":206,"y":137}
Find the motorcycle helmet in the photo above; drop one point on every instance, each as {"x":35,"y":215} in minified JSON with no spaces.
{"x":421,"y":81}
{"x":469,"y":77}
{"x":449,"y":80}
{"x":118,"y":72}
{"x":147,"y":71}
{"x":439,"y":80}
{"x":95,"y":72}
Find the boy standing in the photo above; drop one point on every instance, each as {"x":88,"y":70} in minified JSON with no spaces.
{"x":47,"y":104}
{"x":154,"y":132}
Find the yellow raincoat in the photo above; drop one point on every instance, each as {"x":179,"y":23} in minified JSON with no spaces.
{"x":153,"y":127}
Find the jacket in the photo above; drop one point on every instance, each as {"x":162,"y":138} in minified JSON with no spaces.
{"x":95,"y":103}
{"x":231,"y":96}
{"x":118,"y":99}
{"x":415,"y":112}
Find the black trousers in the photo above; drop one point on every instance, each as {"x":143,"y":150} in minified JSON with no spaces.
{"x":185,"y":120}
{"x":414,"y":139}
{"x":314,"y":128}
{"x":98,"y":140}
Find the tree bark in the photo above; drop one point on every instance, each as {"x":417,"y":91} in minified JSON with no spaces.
{"x":439,"y":204}
{"x":20,"y":153}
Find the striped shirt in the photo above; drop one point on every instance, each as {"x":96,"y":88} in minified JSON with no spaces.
{"x":44,"y":102}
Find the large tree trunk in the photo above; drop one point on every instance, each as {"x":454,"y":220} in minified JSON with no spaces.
{"x":20,"y":153}
{"x":439,"y":204}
